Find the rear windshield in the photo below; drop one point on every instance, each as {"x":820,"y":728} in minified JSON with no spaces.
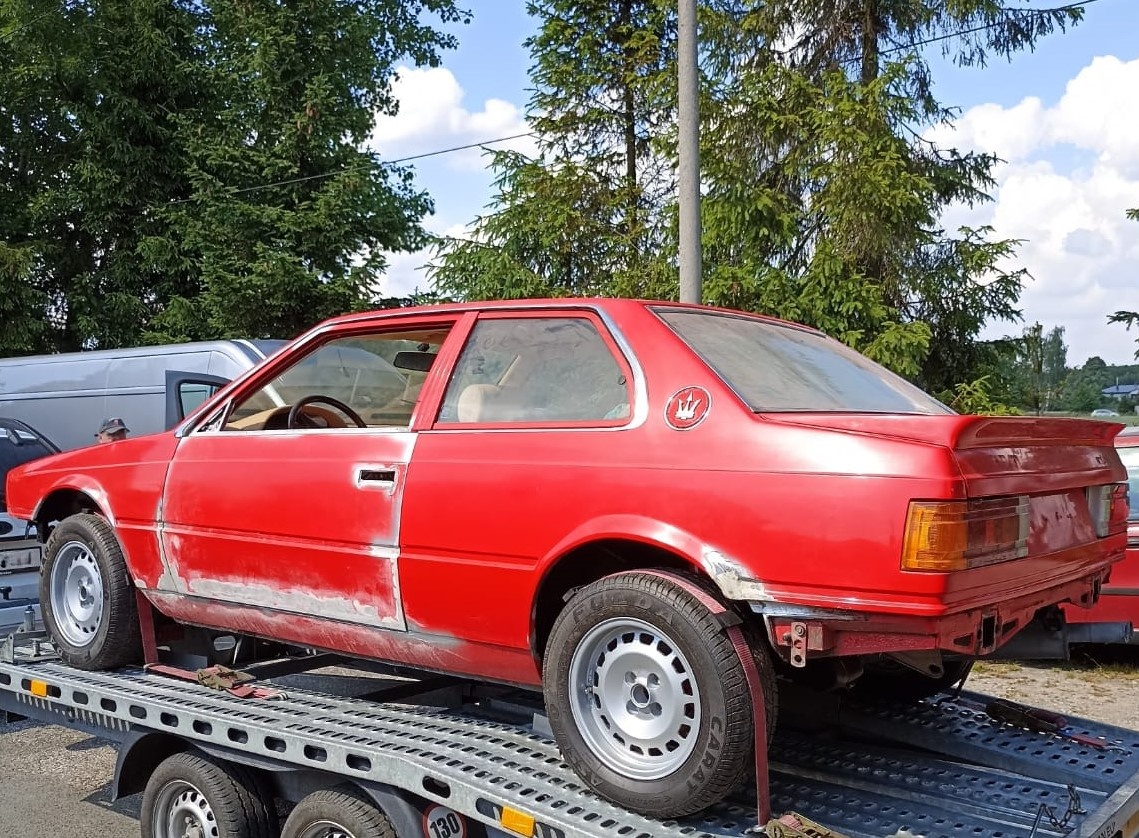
{"x":19,"y":446}
{"x":1130,"y":457}
{"x":781,"y":368}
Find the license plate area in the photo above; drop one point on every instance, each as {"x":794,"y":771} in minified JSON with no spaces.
{"x":15,"y":561}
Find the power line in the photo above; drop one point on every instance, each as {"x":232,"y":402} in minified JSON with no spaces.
{"x":1008,"y":12}
{"x":364,"y":166}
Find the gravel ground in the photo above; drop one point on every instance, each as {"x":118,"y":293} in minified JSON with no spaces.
{"x":55,"y":781}
{"x":1099,"y":683}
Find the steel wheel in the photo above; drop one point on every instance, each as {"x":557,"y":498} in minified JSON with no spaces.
{"x":638,"y":706}
{"x":647,"y":695}
{"x":198,"y":796}
{"x":325,"y":829}
{"x":87,"y":595}
{"x":77,"y":593}
{"x":182,"y":811}
{"x":343,"y":812}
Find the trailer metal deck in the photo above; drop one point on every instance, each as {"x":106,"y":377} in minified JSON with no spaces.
{"x":935,"y":769}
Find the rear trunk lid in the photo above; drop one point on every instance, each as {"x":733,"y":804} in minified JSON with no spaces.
{"x":999,"y":455}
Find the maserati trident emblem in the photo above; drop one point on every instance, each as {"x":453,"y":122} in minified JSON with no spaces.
{"x":687,"y":408}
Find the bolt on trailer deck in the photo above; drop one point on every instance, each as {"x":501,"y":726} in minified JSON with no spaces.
{"x":438,"y":769}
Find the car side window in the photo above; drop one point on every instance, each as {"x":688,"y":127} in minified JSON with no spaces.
{"x":525,"y":370}
{"x":376,"y":376}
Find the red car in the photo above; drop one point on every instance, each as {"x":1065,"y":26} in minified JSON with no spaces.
{"x":1120,"y":601}
{"x":491,"y":489}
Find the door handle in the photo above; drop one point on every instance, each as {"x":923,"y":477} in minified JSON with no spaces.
{"x":377,"y":478}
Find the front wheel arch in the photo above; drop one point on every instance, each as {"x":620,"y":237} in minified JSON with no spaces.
{"x":61,"y":504}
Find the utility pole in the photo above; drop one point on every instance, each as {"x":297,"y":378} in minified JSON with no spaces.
{"x":688,"y":119}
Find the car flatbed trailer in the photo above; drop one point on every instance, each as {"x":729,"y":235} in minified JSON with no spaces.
{"x":939,"y":769}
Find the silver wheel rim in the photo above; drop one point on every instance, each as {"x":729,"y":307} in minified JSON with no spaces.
{"x":325,"y":829}
{"x":635,"y":700}
{"x":77,"y":593}
{"x":182,"y":811}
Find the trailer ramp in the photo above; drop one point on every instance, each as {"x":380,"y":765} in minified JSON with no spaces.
{"x":938,"y":770}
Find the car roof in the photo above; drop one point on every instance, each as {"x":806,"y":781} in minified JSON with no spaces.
{"x":607,"y":304}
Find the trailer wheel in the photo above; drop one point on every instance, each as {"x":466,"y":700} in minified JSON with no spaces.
{"x":191,"y":796}
{"x":337,"y":813}
{"x":647,"y":697}
{"x":87,"y":597}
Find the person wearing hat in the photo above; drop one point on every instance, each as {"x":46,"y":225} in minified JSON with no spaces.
{"x":112,"y":430}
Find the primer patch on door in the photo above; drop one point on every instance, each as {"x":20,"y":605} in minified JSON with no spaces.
{"x":687,"y":408}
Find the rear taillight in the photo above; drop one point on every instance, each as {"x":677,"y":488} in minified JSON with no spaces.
{"x":943,"y":536}
{"x":1109,"y":507}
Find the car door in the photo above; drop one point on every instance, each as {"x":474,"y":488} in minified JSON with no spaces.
{"x":530,"y":437}
{"x":275,"y":504}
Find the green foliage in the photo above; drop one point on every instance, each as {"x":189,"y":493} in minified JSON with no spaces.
{"x":977,"y":397}
{"x":196,"y":169}
{"x":1042,"y":368}
{"x":591,"y":214}
{"x":821,"y":201}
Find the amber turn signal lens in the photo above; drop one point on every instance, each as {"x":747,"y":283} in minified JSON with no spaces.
{"x":944,"y":536}
{"x":936,"y":536}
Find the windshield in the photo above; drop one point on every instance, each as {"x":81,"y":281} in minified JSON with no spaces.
{"x":1130,"y":457}
{"x":19,"y":444}
{"x":783,"y":368}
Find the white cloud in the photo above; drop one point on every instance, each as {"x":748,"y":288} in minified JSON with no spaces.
{"x":406,"y":272}
{"x":1080,"y":248}
{"x":432,"y":116}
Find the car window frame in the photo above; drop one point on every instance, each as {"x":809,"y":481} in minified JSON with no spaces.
{"x":604,"y":330}
{"x":458,"y":324}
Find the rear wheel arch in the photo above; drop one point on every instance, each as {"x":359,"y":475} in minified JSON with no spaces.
{"x":587,"y":563}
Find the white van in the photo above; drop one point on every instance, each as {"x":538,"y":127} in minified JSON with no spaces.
{"x":66,"y":397}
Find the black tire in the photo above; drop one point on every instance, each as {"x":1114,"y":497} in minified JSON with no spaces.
{"x":86,"y":595}
{"x":189,"y":790}
{"x":888,"y":680}
{"x":637,"y":626}
{"x":345,"y":813}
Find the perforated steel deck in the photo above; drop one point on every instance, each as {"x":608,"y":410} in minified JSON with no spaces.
{"x":935,"y":771}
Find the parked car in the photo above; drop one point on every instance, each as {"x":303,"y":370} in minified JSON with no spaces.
{"x":151,"y":388}
{"x":1119,"y":602}
{"x":1104,"y":413}
{"x":20,"y":549}
{"x":563,"y":496}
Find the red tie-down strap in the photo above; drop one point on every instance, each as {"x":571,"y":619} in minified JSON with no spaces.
{"x":731,"y":622}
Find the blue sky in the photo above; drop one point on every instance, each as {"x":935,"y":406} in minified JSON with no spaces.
{"x":1065,"y":118}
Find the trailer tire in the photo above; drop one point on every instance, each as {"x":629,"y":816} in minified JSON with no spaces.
{"x":647,"y":697}
{"x":188,"y":790}
{"x":86,"y":595}
{"x":337,"y":813}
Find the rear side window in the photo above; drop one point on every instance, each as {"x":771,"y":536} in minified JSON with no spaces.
{"x":533,"y":370}
{"x":777,"y":368}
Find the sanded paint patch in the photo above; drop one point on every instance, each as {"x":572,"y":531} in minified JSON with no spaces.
{"x":732,"y":578}
{"x":293,"y":600}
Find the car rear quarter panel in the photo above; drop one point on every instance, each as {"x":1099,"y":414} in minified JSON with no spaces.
{"x":816,"y":516}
